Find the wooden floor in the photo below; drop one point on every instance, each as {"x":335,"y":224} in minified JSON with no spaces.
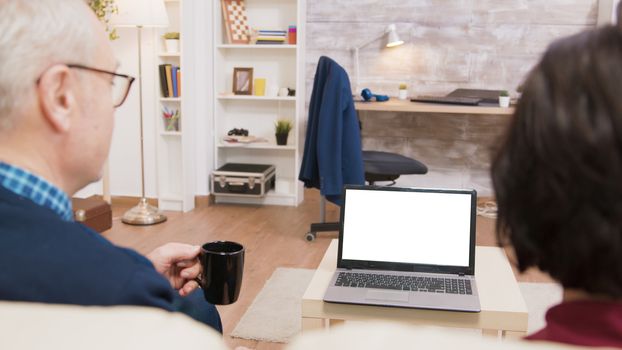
{"x":273,"y":237}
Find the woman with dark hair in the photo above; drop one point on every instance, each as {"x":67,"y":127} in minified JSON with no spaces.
{"x":558,"y":184}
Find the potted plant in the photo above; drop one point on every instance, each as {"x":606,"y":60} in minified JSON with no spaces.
{"x":504,"y":99}
{"x":403,"y":92}
{"x":104,"y":9}
{"x":171,"y":42}
{"x":282,"y":128}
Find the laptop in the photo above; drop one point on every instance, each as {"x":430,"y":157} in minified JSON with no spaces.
{"x":406,"y":247}
{"x":486,"y":97}
{"x":446,"y":100}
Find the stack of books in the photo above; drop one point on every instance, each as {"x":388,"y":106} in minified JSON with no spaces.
{"x":271,"y":37}
{"x":170,"y":80}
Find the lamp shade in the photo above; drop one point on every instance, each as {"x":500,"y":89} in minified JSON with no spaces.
{"x":392,"y":38}
{"x":140,"y":13}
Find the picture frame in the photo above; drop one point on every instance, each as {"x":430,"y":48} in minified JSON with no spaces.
{"x":242,"y":81}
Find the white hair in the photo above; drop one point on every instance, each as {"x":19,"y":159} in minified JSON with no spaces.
{"x":35,"y":34}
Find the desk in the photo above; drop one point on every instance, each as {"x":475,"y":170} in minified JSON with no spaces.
{"x":503,"y":307}
{"x":395,"y":105}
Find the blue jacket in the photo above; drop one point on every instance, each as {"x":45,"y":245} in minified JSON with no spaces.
{"x":45,"y":259}
{"x":332,"y":156}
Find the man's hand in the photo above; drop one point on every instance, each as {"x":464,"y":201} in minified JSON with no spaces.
{"x":179,"y":263}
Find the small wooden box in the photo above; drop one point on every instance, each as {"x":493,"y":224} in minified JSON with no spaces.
{"x":245,"y":180}
{"x":93,"y":212}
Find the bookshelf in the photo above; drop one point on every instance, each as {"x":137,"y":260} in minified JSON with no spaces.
{"x":282,"y":65}
{"x":174,"y":165}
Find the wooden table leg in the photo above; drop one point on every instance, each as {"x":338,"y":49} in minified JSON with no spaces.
{"x":310,"y":324}
{"x":493,"y":333}
{"x":513,"y":334}
{"x":332,"y":323}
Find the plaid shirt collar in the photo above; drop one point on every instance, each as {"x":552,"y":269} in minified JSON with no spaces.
{"x":43,"y":193}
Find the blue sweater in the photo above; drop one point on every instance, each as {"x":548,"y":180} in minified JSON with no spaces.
{"x":45,"y":259}
{"x":333,"y":156}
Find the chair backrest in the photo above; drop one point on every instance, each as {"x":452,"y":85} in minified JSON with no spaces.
{"x":332,"y":155}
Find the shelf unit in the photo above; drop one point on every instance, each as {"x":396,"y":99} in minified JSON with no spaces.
{"x":257,"y":98}
{"x":175,"y":167}
{"x":256,"y":47}
{"x":281,"y":66}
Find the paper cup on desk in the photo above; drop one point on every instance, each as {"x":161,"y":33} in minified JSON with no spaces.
{"x":403,"y":94}
{"x":504,"y":101}
{"x":260,"y":86}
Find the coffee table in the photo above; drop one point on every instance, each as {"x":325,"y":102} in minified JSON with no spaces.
{"x":503,"y":307}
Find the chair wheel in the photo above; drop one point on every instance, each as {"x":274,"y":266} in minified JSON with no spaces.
{"x":310,"y":236}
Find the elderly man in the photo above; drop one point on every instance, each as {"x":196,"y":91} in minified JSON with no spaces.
{"x":58,"y":91}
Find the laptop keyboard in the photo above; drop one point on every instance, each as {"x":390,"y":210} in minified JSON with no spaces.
{"x":410,"y":283}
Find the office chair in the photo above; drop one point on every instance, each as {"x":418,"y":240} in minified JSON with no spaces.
{"x":333,"y":135}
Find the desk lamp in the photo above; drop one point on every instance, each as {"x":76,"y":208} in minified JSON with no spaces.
{"x":393,"y":40}
{"x":138,"y":14}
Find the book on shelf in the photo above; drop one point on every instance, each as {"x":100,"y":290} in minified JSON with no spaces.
{"x":269,"y":42}
{"x":271,"y":37}
{"x":174,"y":80}
{"x":163,"y":84}
{"x":170,"y":80}
{"x":178,"y":81}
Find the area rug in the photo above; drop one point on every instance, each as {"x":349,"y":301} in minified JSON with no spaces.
{"x":274,"y":315}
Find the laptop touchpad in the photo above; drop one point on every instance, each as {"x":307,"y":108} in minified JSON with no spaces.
{"x":387,"y":295}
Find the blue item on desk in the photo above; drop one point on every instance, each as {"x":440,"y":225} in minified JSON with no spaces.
{"x":368,"y":95}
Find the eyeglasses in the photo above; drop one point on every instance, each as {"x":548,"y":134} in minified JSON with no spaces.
{"x":121,"y":83}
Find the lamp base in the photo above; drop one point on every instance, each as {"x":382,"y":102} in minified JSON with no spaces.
{"x":143,"y":214}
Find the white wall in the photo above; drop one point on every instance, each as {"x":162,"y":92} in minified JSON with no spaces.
{"x":125,"y":150}
{"x":449,"y":44}
{"x":124,"y":159}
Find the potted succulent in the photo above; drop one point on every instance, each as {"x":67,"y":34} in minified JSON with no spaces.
{"x":282,"y":128}
{"x":171,"y":42}
{"x":403,"y":94}
{"x":504,"y":99}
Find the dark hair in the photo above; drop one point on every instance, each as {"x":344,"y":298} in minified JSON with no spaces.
{"x":558,"y":173}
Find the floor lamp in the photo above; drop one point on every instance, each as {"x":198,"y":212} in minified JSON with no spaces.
{"x":138,"y":14}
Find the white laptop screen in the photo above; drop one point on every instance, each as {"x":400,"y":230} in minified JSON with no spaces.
{"x":401,"y":226}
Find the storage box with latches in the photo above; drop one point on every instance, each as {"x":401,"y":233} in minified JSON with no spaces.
{"x":242,"y":179}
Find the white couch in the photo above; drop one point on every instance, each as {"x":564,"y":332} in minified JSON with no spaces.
{"x":43,"y":326}
{"x":384,"y":336}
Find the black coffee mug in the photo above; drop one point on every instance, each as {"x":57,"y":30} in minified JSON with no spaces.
{"x":223,"y":266}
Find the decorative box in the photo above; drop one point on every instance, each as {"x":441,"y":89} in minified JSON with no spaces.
{"x":241,"y":179}
{"x":93,"y":212}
